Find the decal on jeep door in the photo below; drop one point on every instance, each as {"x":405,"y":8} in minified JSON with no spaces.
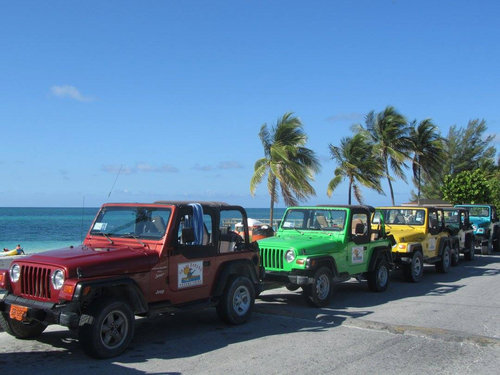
{"x":432,"y":244}
{"x":189,"y":274}
{"x":357,"y":254}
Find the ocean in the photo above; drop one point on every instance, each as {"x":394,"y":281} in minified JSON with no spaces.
{"x":38,"y":229}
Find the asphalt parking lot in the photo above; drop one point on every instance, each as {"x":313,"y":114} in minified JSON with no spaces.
{"x":446,"y":324}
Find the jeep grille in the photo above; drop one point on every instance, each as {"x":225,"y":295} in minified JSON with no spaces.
{"x":35,"y":282}
{"x":271,"y":258}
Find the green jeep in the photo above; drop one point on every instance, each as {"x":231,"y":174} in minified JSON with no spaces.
{"x":316,"y":246}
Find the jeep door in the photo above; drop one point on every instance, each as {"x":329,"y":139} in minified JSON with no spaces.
{"x":434,"y":227}
{"x":190,"y":267}
{"x":359,"y":249}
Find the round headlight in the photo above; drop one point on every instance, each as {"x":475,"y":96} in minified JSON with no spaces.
{"x":58,"y":279}
{"x":15,"y":273}
{"x":290,"y":256}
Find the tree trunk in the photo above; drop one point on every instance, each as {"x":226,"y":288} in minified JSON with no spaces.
{"x":418,"y":183}
{"x":271,"y":210}
{"x":389,"y":181}
{"x":350,"y":186}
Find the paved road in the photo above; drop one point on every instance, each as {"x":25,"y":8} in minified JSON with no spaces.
{"x":447,"y":324}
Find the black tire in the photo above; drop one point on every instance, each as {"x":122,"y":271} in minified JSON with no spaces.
{"x":378,"y":279}
{"x":237,"y":302}
{"x":496,"y":241}
{"x":485,"y":250}
{"x":443,"y":265}
{"x":21,"y":330}
{"x":320,"y":292}
{"x":455,"y":255}
{"x":415,"y":270}
{"x":471,"y":254}
{"x":292,"y":287}
{"x":108,"y":330}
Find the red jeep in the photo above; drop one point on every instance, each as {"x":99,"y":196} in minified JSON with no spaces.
{"x":137,"y":259}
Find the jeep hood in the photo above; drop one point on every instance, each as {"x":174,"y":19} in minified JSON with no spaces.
{"x":97,"y":261}
{"x":407,"y":234}
{"x":299,"y":242}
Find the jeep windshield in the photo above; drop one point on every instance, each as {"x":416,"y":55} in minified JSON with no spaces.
{"x":314,"y":219}
{"x":478,"y":211}
{"x":403,"y":216}
{"x":131,"y":222}
{"x":451,"y":217}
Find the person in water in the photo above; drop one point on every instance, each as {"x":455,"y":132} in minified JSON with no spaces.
{"x":17,"y":251}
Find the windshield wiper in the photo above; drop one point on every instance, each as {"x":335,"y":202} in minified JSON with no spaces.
{"x":131,"y":235}
{"x":105,"y":235}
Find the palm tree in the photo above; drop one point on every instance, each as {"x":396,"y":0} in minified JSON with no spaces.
{"x":355,"y":162}
{"x":287,"y":163}
{"x":388,"y":131}
{"x":427,"y":147}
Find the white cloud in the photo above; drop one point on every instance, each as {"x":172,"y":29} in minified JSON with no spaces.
{"x":67,"y":91}
{"x":341,"y":117}
{"x":229,"y":165}
{"x":140,"y":167}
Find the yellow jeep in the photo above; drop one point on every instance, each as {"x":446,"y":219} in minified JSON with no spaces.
{"x":420,"y":238}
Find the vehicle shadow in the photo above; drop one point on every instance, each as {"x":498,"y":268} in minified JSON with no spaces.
{"x":357,"y":295}
{"x":166,"y":337}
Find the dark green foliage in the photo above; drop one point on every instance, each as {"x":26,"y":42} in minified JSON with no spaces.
{"x":354,"y":165}
{"x":288,"y":164}
{"x":467,"y":187}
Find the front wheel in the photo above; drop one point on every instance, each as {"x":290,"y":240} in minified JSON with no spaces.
{"x":21,"y":330}
{"x":378,"y":279}
{"x":455,"y":256}
{"x":415,"y":270}
{"x":237,"y":302}
{"x":471,"y":254}
{"x":444,"y":264}
{"x":109,"y":328}
{"x":320,"y":292}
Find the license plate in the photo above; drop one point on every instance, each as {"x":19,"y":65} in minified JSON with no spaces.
{"x":18,"y":312}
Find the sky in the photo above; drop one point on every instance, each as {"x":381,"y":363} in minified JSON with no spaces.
{"x":137,"y":101}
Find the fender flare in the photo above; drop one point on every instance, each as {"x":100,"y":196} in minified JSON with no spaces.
{"x":124,"y":285}
{"x":241,"y":267}
{"x":327,"y":260}
{"x":380,"y":252}
{"x":442,"y":244}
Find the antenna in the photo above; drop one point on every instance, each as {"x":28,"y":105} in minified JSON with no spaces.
{"x":113,"y":186}
{"x":81,"y":226}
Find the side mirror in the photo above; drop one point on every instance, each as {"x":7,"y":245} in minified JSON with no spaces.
{"x":187,"y":235}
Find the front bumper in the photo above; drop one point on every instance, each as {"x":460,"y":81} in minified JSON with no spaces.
{"x":45,"y":312}
{"x":297,"y":277}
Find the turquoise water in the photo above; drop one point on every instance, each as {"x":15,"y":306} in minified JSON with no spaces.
{"x":39,"y":229}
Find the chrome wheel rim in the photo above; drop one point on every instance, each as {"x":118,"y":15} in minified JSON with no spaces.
{"x":382,"y":276}
{"x":322,"y":287}
{"x":417,"y":266}
{"x":241,"y":300}
{"x":446,"y":258}
{"x":114,"y":329}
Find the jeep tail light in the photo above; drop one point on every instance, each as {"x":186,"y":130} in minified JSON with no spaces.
{"x":402,"y":246}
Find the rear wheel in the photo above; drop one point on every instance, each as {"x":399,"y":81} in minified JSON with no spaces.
{"x":415,"y":270}
{"x":109,"y":330}
{"x":320,"y":292}
{"x":455,"y":255}
{"x":378,"y":279}
{"x":444,"y":264}
{"x":485,"y":249}
{"x":237,"y":301}
{"x":21,"y":330}
{"x":471,"y":254}
{"x":292,"y":287}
